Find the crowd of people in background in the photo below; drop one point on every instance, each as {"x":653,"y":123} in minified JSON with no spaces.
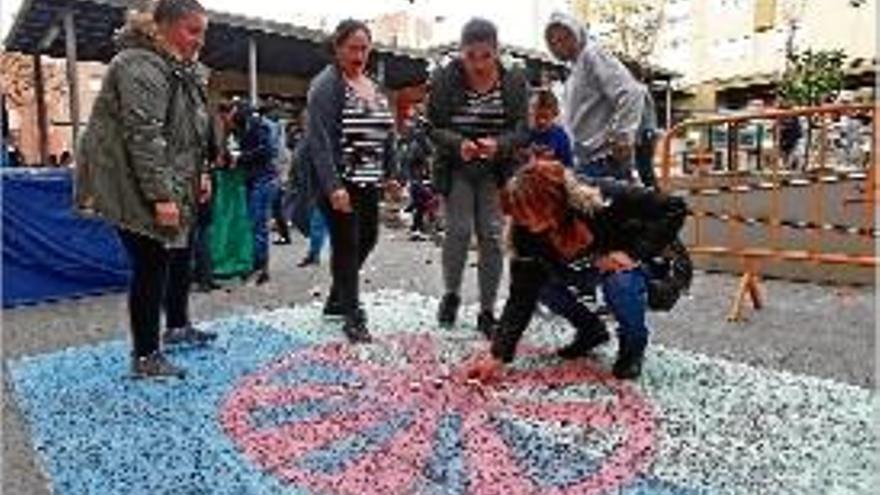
{"x":193,"y":190}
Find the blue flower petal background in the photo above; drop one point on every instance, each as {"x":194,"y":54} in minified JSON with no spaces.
{"x":722,"y":427}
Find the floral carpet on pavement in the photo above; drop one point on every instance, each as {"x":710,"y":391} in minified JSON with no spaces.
{"x":282,"y":405}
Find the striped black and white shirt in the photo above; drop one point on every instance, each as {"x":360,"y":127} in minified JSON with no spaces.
{"x":366,"y":128}
{"x":481,"y":115}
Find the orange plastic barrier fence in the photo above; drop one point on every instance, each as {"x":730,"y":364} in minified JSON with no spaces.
{"x":728,"y":157}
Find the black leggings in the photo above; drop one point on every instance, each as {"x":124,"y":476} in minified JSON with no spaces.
{"x":352,"y":238}
{"x":160,"y":279}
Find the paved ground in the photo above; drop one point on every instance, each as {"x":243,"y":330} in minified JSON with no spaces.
{"x":807,"y":330}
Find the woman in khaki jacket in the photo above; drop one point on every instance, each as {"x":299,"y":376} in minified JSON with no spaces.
{"x":141,"y":163}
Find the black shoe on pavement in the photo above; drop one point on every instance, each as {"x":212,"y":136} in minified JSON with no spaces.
{"x":155,"y":365}
{"x":487,"y":324}
{"x":334,"y":310}
{"x":628,"y":365}
{"x":448,"y":311}
{"x":356,"y":331}
{"x":310,"y":260}
{"x":585,"y":341}
{"x":262,"y":278}
{"x":188,"y":335}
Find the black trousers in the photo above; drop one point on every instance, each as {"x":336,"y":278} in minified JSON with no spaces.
{"x":279,"y":217}
{"x":353,"y":236}
{"x":160,"y":280}
{"x":201,"y":246}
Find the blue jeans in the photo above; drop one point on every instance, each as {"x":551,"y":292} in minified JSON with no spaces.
{"x":317,"y":232}
{"x":606,"y":174}
{"x":261,"y":194}
{"x":625,"y":293}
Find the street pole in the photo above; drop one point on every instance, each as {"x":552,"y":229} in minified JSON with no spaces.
{"x":252,"y":71}
{"x":72,"y":79}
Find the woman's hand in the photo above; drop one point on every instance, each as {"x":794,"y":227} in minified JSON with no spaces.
{"x":394,"y":190}
{"x":615,"y":261}
{"x":469,"y":150}
{"x":485,"y":369}
{"x":488,"y":148}
{"x":341,"y":201}
{"x":205,"y":189}
{"x":167,"y":214}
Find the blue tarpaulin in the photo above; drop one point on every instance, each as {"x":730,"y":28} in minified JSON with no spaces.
{"x":50,"y":253}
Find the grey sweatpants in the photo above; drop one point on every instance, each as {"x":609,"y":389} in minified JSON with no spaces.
{"x":473,"y":203}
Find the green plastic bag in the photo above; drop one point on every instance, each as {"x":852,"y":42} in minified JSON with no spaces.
{"x":231,"y":234}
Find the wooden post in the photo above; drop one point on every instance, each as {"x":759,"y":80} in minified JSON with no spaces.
{"x":72,"y":73}
{"x":252,"y":71}
{"x":749,"y":285}
{"x":42,"y":118}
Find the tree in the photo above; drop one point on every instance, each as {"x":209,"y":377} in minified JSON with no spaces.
{"x":631,"y":27}
{"x":812,"y":77}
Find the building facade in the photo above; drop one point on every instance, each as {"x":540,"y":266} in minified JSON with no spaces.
{"x":730,"y":51}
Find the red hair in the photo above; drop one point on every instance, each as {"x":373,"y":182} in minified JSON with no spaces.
{"x":536,"y":198}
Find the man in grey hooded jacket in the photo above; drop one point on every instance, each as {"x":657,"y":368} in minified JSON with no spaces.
{"x":603,"y":103}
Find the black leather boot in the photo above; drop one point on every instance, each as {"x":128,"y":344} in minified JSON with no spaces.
{"x":585,"y":341}
{"x":629,"y":364}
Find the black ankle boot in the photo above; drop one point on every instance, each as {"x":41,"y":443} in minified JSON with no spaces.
{"x":487,"y":324}
{"x":628,"y":365}
{"x":585,"y":341}
{"x":355,"y":329}
{"x":448,"y":311}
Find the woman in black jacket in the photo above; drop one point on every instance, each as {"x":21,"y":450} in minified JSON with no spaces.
{"x":350,"y":142}
{"x":558,"y":220}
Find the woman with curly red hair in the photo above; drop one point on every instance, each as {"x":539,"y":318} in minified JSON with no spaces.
{"x":558,"y":220}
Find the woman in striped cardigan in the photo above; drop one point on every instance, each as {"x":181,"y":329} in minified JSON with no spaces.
{"x":350,"y":145}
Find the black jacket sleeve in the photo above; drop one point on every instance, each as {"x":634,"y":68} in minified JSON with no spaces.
{"x":640,"y":222}
{"x":446,"y":140}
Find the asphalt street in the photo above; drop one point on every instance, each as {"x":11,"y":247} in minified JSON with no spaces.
{"x":805,"y":329}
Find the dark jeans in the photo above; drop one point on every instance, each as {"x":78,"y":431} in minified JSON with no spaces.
{"x":160,"y":280}
{"x":421,"y":197}
{"x":606,"y":174}
{"x":261,"y":191}
{"x":536,"y":276}
{"x":625,"y":293}
{"x":317,"y":232}
{"x":644,"y":152}
{"x":201,"y":243}
{"x":352,"y":238}
{"x":282,"y":223}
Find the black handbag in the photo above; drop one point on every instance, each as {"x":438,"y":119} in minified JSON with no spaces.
{"x":669,"y":276}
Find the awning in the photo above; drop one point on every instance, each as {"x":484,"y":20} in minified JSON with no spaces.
{"x":284,"y":49}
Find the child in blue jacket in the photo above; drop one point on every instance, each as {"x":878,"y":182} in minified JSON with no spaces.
{"x":546,"y":137}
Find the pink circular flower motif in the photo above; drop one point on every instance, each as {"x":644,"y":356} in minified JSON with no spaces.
{"x":328,"y":420}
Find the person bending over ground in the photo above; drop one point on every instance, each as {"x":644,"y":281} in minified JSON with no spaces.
{"x":557,"y":220}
